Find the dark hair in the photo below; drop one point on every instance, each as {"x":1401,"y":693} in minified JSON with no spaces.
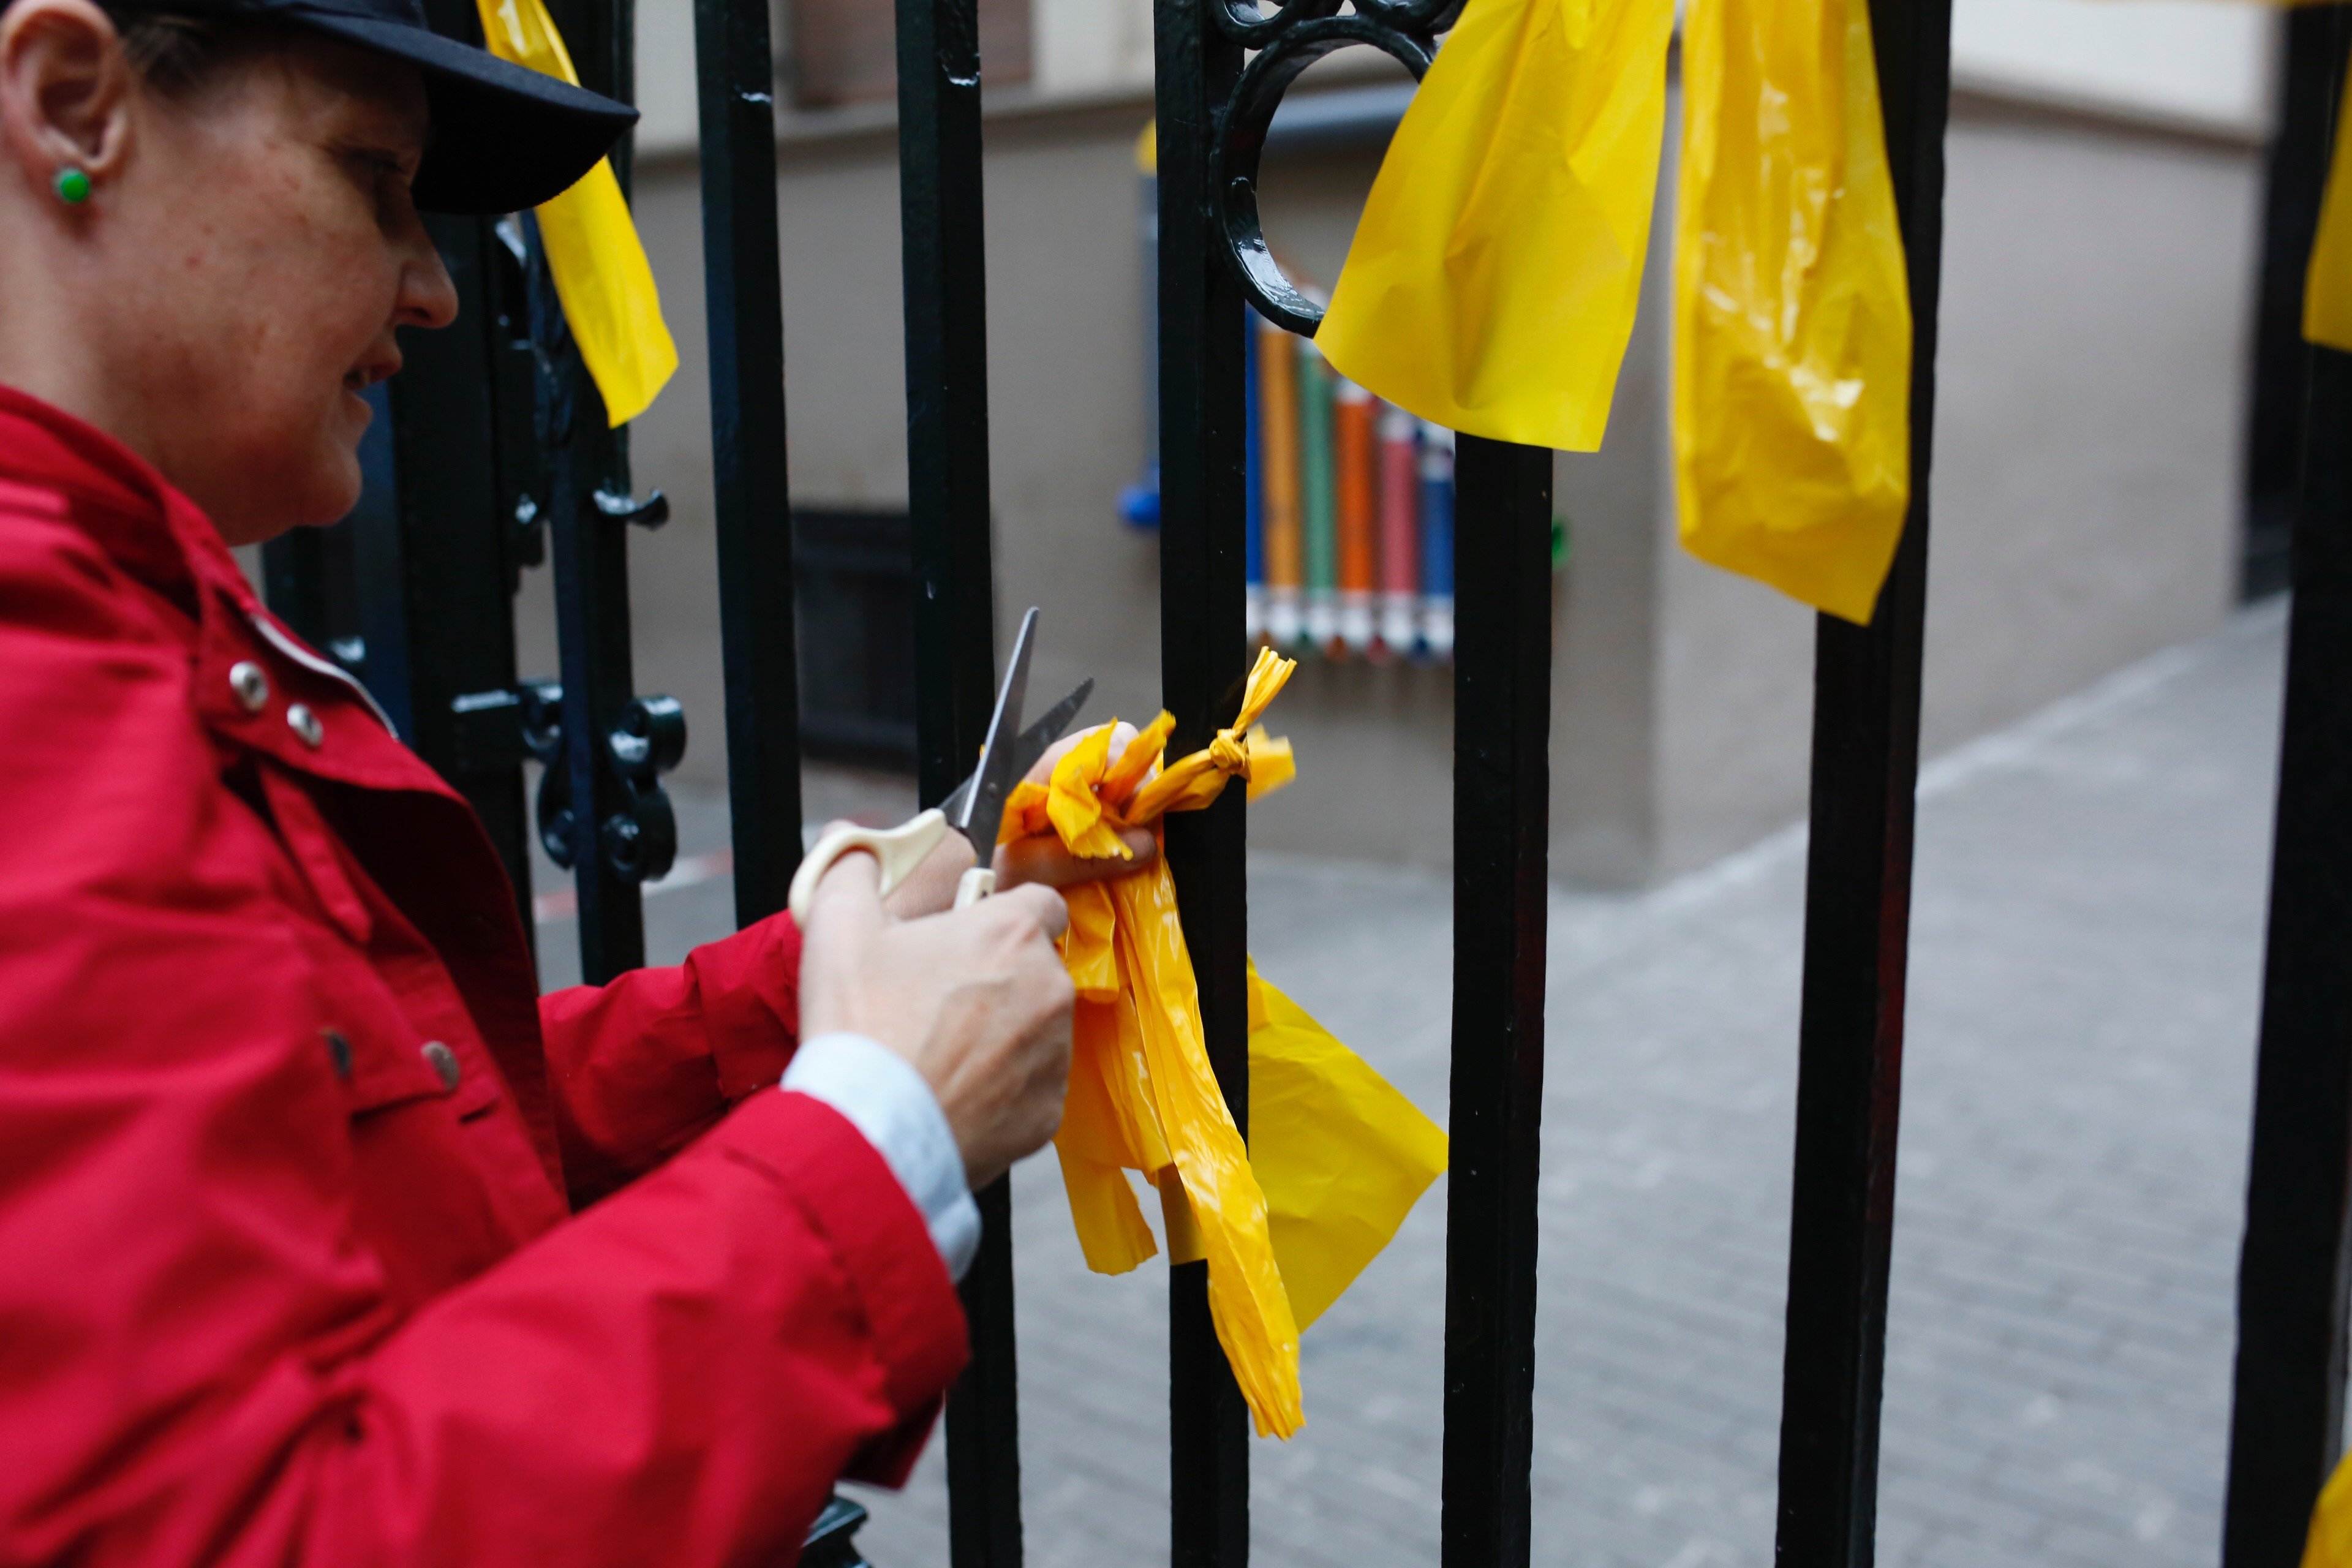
{"x":177,"y":46}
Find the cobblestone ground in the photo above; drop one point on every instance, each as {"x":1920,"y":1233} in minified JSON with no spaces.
{"x":2086,"y":947}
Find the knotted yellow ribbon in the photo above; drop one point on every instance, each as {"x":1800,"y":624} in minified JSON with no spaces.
{"x":593,"y":254}
{"x":1142,"y":1096}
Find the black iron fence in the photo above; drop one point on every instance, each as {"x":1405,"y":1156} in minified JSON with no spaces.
{"x":496,"y":449}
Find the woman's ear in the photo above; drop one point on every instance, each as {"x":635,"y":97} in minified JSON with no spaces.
{"x":65,"y":90}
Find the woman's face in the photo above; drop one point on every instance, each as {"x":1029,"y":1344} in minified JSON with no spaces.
{"x":286,"y":250}
{"x":247,"y":251}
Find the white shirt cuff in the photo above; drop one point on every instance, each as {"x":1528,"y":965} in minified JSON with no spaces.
{"x":884,"y":1097}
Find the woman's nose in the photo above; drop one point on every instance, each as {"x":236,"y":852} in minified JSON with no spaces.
{"x":427,"y":296}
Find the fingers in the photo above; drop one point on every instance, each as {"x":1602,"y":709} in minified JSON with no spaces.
{"x":1121,"y":732}
{"x":1041,"y":859}
{"x":1039,"y":904}
{"x":930,"y":887}
{"x":849,"y":895}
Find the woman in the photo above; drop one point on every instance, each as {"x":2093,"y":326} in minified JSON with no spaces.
{"x":288,"y":1143}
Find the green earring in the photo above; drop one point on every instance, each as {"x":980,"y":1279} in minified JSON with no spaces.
{"x":73,"y":186}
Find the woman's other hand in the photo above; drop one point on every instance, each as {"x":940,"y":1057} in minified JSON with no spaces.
{"x":1042,"y":858}
{"x":977,"y":999}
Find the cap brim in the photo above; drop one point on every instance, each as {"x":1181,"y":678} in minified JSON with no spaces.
{"x":505,"y":137}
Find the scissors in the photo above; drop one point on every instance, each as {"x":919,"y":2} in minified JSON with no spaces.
{"x":975,"y":808}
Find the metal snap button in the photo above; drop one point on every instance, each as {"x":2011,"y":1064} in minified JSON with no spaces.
{"x":443,"y":1061}
{"x":306,"y":724}
{"x":339,"y":1052}
{"x":252,"y":686}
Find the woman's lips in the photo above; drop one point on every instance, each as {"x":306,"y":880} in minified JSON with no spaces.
{"x":359,"y":377}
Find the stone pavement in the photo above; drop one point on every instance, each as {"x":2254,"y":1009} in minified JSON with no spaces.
{"x":2086,"y":952}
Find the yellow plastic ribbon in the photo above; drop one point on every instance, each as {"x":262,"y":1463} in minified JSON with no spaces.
{"x":1792,"y":321}
{"x":1492,"y":278}
{"x":1341,"y":1155}
{"x":593,"y":251}
{"x":1142,"y":1096}
{"x":1337,"y":1156}
{"x":2327,"y":285}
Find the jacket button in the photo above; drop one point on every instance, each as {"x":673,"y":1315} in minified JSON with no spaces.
{"x":339,"y":1052}
{"x":443,"y":1061}
{"x":306,"y":724}
{"x":252,"y":686}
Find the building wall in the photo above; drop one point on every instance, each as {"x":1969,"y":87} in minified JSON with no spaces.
{"x":2096,"y":281}
{"x":2090,"y":403}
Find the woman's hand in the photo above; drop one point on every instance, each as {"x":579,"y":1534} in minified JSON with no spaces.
{"x":976,"y":999}
{"x":1041,"y":859}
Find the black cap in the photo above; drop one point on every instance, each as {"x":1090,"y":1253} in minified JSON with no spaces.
{"x":505,"y":137}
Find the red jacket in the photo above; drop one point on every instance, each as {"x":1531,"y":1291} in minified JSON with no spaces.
{"x":288,"y":1270}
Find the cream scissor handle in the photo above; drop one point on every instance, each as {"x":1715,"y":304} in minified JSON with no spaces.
{"x":975,"y":885}
{"x":899,"y":850}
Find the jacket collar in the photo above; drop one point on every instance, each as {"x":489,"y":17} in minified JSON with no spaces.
{"x":157,"y":536}
{"x":144,"y":524}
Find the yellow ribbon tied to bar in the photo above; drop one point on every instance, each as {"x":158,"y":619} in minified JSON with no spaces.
{"x":1492,"y":278}
{"x":593,"y":254}
{"x":1792,"y":319}
{"x":1351,"y":1154}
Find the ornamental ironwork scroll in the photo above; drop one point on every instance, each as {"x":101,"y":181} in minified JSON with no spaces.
{"x":1288,"y":41}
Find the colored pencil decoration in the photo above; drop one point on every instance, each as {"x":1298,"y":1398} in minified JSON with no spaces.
{"x":1318,"y":506}
{"x":1348,"y":544}
{"x":1254,"y":488}
{"x":1436,"y":540}
{"x":1277,"y":454}
{"x":1400,"y":531}
{"x":1355,"y":503}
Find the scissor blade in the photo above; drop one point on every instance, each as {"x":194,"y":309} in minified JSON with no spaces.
{"x":993,"y":780}
{"x":1030,"y":746}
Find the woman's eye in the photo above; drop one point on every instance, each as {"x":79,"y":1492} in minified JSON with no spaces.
{"x":378,"y":165}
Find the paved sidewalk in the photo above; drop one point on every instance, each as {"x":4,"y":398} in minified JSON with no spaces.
{"x":2087,"y":950}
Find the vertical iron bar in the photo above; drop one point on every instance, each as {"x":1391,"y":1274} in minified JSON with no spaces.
{"x":591,"y":618}
{"x":2286,"y":1424}
{"x":1502,"y":728}
{"x":943,"y":248}
{"x":1858,"y":910}
{"x":741,"y":275}
{"x":743,"y":285}
{"x":592,"y":568}
{"x":444,"y":545}
{"x":2311,"y":73}
{"x":1204,"y":658}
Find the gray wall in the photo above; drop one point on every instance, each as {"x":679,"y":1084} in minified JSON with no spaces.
{"x":2096,"y":287}
{"x":2088,"y":419}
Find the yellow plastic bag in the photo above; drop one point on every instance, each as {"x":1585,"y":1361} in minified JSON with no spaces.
{"x":593,"y":251}
{"x":1492,"y":278}
{"x":2328,"y":286}
{"x":1341,"y":1155}
{"x":1792,"y":322}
